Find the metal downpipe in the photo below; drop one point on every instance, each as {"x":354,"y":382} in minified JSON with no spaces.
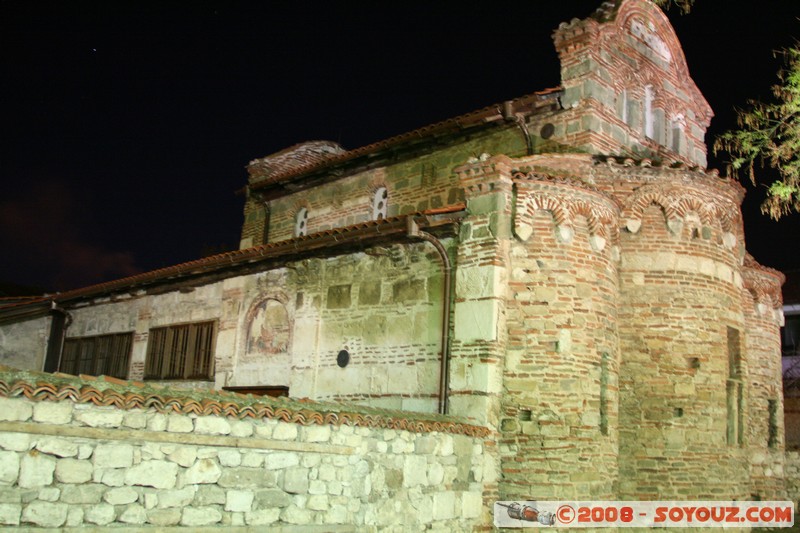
{"x":444,"y":364}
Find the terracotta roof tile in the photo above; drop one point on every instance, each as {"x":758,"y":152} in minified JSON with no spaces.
{"x":238,"y":257}
{"x":111,"y":392}
{"x":473,"y":118}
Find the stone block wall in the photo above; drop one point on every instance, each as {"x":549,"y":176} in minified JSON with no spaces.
{"x":71,"y":463}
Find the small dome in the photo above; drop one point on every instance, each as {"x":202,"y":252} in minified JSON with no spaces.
{"x":299,"y":155}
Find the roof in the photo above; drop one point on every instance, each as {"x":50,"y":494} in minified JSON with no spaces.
{"x":493,"y":114}
{"x":126,"y":395}
{"x":324,"y":243}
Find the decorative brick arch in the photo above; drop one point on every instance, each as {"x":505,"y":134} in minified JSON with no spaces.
{"x":641,"y":200}
{"x":529,"y":203}
{"x":691,"y":204}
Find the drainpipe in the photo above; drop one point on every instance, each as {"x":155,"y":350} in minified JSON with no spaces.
{"x":444,"y":365}
{"x":519,"y":119}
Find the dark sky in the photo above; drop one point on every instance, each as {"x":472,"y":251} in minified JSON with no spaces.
{"x":126,"y":126}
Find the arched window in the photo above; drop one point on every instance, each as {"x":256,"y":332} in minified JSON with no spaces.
{"x":301,"y":223}
{"x":649,"y":117}
{"x":380,"y":201}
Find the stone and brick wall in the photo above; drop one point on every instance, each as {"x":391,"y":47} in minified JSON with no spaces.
{"x":82,"y":453}
{"x":418,"y":184}
{"x":384,"y":307}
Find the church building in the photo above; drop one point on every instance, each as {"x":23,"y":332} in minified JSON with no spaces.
{"x":560,"y":269}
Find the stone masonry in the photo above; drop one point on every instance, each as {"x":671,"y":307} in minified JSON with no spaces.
{"x":75,"y":464}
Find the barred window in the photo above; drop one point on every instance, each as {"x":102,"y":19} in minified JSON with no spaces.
{"x":106,"y":355}
{"x":184,"y":351}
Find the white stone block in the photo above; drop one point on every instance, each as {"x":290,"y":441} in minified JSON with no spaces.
{"x":49,"y":494}
{"x":239,"y":501}
{"x":179,"y":424}
{"x":100,"y":417}
{"x":10,"y":513}
{"x":415,"y":471}
{"x":73,"y":471}
{"x":240,"y":428}
{"x":113,"y":456}
{"x":423,"y":506}
{"x":74,"y":517}
{"x":296,"y":480}
{"x":176,"y":498}
{"x":229,"y":458}
{"x":435,"y":474}
{"x":184,"y":456}
{"x":156,"y":422}
{"x":9,"y":467}
{"x":262,"y":517}
{"x":471,"y":504}
{"x":45,"y":514}
{"x":134,"y":514}
{"x":200,"y":516}
{"x":444,"y":505}
{"x":158,"y":474}
{"x":100,"y":514}
{"x":113,"y":478}
{"x":36,"y":471}
{"x":85,"y":451}
{"x":326,"y":472}
{"x":316,"y":433}
{"x":52,"y":412}
{"x":203,"y":471}
{"x":318,"y":502}
{"x":164,"y":517}
{"x":121,"y":496}
{"x":15,"y":410}
{"x":212,"y":425}
{"x":135,"y":420}
{"x":476,"y":320}
{"x":284,"y":431}
{"x":252,"y":460}
{"x":18,"y":442}
{"x":56,"y":446}
{"x":278,"y":460}
{"x":296,"y":515}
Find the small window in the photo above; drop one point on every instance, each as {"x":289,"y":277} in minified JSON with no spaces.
{"x":676,"y":130}
{"x":735,"y":389}
{"x":181,"y":352}
{"x":380,"y":201}
{"x":772,"y":428}
{"x":649,"y":117}
{"x":301,"y":223}
{"x":105,"y":355}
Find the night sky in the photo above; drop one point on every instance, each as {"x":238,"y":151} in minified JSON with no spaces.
{"x":126,"y":126}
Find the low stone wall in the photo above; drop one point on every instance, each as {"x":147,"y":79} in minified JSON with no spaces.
{"x":70,"y":457}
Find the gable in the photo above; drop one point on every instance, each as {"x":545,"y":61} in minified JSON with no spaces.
{"x":625,"y":66}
